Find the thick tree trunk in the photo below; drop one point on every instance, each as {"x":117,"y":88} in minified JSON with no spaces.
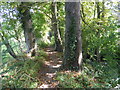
{"x":26,"y":21}
{"x":73,"y":43}
{"x":55,"y":27}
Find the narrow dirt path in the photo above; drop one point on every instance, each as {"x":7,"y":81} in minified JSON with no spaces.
{"x":48,"y":72}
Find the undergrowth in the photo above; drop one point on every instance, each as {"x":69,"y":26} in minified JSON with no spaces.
{"x":22,"y":74}
{"x":99,"y":76}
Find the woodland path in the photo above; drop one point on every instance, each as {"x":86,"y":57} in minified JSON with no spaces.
{"x":49,"y":70}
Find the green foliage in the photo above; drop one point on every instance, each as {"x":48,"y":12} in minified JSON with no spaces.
{"x":40,"y":21}
{"x":39,"y":24}
{"x":41,"y":54}
{"x":101,"y":36}
{"x":95,"y":75}
{"x":42,"y":44}
{"x":22,"y":74}
{"x":96,"y":33}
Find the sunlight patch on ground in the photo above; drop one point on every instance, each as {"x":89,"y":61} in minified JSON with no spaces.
{"x":52,"y":63}
{"x":44,"y":86}
{"x":56,"y":66}
{"x":50,"y":75}
{"x":50,"y":51}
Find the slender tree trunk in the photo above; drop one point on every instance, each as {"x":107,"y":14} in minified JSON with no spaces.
{"x":9,"y":48}
{"x":94,"y":9}
{"x":55,"y":27}
{"x":98,"y":9}
{"x":73,"y":43}
{"x":118,"y":37}
{"x":26,"y":21}
{"x":103,"y":8}
{"x":118,"y":19}
{"x":82,"y":11}
{"x":6,"y":42}
{"x":0,"y":52}
{"x":0,"y":63}
{"x":98,"y":33}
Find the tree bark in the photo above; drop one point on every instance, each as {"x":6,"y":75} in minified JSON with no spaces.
{"x":55,"y":27}
{"x":98,"y":33}
{"x":73,"y":43}
{"x":9,"y":48}
{"x":98,"y":9}
{"x":118,"y":37}
{"x":103,"y":8}
{"x":94,"y":9}
{"x":25,"y":18}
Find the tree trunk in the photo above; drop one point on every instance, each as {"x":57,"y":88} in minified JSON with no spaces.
{"x":103,"y":8}
{"x":73,"y":43}
{"x":0,"y":63}
{"x":26,"y":21}
{"x":98,"y":9}
{"x":94,"y":9}
{"x":0,"y":52}
{"x":55,"y":27}
{"x":9,"y":48}
{"x":118,"y":37}
{"x":98,"y":33}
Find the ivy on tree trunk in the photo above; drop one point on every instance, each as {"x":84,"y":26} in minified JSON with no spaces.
{"x":73,"y":43}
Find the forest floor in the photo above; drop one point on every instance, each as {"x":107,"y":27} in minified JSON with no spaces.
{"x":50,"y":68}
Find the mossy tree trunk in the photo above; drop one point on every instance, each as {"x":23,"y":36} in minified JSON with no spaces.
{"x":73,"y":43}
{"x":55,"y":28}
{"x":25,"y":18}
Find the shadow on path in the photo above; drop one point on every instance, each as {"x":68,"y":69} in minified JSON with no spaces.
{"x":48,"y":72}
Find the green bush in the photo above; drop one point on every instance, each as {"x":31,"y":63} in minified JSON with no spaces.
{"x":42,"y":44}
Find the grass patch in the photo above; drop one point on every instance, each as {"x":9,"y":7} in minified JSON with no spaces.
{"x":99,"y":76}
{"x":22,"y":74}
